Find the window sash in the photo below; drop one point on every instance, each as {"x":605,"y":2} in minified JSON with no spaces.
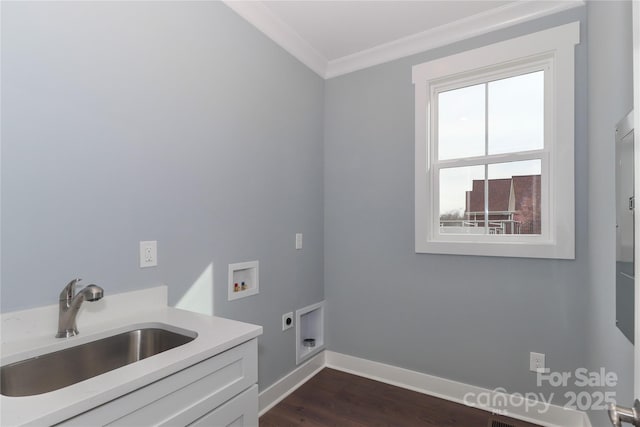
{"x":543,"y":63}
{"x":545,"y":214}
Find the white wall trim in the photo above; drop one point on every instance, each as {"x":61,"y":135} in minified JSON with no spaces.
{"x":258,"y":15}
{"x":453,"y":391}
{"x":286,"y":385}
{"x":277,"y":30}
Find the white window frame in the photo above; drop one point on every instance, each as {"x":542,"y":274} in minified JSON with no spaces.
{"x":550,"y":50}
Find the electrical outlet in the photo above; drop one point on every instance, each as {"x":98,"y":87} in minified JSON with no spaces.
{"x":536,"y":362}
{"x":287,"y":321}
{"x":148,"y":254}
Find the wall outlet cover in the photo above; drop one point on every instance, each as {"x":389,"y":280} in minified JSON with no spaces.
{"x":536,"y":362}
{"x":148,"y":253}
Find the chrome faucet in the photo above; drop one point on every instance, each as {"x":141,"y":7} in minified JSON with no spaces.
{"x":70,"y":303}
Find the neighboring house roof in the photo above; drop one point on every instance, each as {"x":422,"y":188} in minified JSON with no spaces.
{"x":506,"y":195}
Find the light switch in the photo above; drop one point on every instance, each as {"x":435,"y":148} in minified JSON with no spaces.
{"x":298,"y":240}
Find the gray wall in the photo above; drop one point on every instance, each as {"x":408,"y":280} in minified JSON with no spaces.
{"x":170,"y":121}
{"x":179,"y":122}
{"x":610,"y":98}
{"x":469,"y":319}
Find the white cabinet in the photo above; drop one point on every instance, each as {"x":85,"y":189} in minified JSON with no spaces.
{"x":218,"y":391}
{"x":239,"y":411}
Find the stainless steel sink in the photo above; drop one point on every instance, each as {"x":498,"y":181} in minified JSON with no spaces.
{"x":59,"y":369}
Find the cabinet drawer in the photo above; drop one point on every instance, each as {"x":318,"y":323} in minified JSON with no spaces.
{"x":183,"y":397}
{"x":241,"y":411}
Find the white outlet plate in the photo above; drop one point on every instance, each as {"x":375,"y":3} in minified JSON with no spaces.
{"x":298,"y":240}
{"x":284,"y":321}
{"x":148,"y":253}
{"x":536,"y":362}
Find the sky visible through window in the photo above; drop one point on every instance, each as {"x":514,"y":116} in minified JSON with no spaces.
{"x":498,"y":117}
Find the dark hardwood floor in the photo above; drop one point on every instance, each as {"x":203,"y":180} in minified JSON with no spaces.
{"x":335,"y":398}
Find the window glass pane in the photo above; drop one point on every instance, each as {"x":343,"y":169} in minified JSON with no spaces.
{"x":514,"y":197}
{"x":461,"y":122}
{"x":516,"y":113}
{"x":456,"y":187}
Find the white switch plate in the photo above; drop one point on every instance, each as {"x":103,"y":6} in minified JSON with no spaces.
{"x":298,"y":240}
{"x":148,"y":253}
{"x":536,"y":362}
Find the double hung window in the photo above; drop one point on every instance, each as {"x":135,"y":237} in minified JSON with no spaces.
{"x":494,"y":149}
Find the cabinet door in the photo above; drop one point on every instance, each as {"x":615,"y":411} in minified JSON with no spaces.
{"x":183,"y":397}
{"x":241,"y":411}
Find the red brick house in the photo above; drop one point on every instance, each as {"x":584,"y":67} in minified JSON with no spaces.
{"x":513,"y":208}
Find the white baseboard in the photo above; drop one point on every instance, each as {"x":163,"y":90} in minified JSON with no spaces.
{"x":286,"y":385}
{"x":554,"y":416}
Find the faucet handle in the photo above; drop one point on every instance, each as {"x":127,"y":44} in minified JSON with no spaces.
{"x":69,"y":291}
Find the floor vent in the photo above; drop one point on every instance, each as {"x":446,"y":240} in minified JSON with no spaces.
{"x":496,"y":423}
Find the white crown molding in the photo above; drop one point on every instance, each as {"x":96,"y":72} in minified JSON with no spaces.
{"x":258,"y":15}
{"x":481,"y":23}
{"x":261,"y":17}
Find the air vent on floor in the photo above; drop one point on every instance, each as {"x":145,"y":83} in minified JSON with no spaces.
{"x":496,"y":423}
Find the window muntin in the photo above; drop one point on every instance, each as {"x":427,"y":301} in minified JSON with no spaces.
{"x":495,"y":199}
{"x":499,"y":116}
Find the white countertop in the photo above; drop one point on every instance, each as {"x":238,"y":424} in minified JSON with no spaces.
{"x":24,"y":335}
